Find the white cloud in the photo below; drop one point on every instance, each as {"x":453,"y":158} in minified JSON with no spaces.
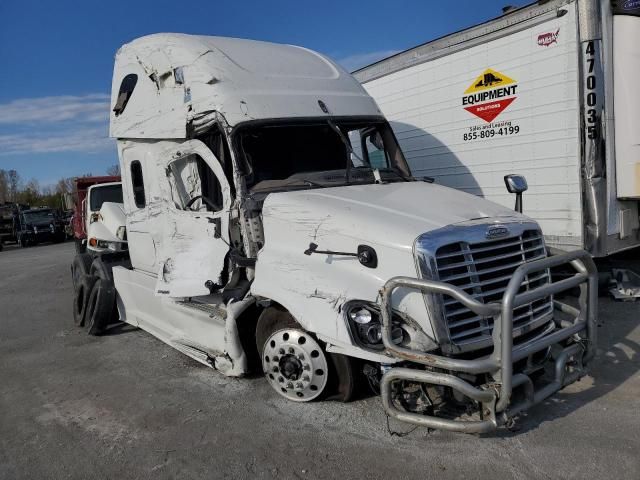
{"x":85,"y":140}
{"x":84,"y":108}
{"x":359,"y":60}
{"x":65,"y":123}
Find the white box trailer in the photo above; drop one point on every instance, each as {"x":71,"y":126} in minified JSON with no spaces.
{"x":549,"y":91}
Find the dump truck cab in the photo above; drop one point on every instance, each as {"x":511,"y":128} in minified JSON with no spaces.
{"x":88,"y":196}
{"x":104,"y":218}
{"x":270,"y":211}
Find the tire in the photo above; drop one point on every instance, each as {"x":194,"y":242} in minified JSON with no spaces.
{"x":80,"y":246}
{"x":100,"y":306}
{"x":104,"y":271}
{"x":80,"y":267}
{"x":294,"y":362}
{"x":23,"y":242}
{"x":81,"y":299}
{"x":101,"y":269}
{"x":272,"y":319}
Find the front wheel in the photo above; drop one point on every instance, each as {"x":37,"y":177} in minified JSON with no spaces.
{"x":294,"y":363}
{"x":81,"y":247}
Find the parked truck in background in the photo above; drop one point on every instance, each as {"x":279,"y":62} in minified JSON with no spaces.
{"x":273,"y":223}
{"x":89,"y":195}
{"x":38,"y":225}
{"x":549,"y":90}
{"x":8,"y":218}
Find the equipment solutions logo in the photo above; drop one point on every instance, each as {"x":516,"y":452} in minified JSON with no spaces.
{"x":486,"y":98}
{"x":489,"y":95}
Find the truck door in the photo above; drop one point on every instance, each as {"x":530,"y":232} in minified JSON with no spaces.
{"x":196,"y":230}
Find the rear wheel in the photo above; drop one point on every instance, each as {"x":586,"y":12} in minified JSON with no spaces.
{"x":100,"y":306}
{"x":104,"y":271}
{"x":293,"y":361}
{"x":80,"y":267}
{"x":81,"y":299}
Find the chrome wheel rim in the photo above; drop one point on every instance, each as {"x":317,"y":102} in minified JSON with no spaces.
{"x":295,"y":365}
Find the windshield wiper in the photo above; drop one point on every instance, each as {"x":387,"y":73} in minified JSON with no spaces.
{"x":311,"y":183}
{"x":349,"y":149}
{"x":408,"y":178}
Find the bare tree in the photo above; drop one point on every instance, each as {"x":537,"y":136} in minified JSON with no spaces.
{"x":14,"y":184}
{"x":4,"y":186}
{"x":31,"y":193}
{"x":114,"y":169}
{"x":64,"y":185}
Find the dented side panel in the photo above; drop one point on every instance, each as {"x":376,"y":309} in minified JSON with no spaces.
{"x":179,"y":78}
{"x":315,"y":288}
{"x":195,"y":242}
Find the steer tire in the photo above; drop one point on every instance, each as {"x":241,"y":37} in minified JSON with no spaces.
{"x":81,"y":247}
{"x":81,"y":299}
{"x":80,"y":267}
{"x":341,"y":378}
{"x":100,"y":307}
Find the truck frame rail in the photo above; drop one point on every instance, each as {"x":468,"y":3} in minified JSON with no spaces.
{"x":495,"y":398}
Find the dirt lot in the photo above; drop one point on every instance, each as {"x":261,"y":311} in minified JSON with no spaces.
{"x":129,"y":406}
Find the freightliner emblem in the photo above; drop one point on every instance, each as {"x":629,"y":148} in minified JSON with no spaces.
{"x":496,"y":231}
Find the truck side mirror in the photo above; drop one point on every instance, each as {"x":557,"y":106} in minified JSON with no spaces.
{"x":516,"y":184}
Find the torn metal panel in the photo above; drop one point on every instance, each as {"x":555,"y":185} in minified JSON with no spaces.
{"x":182,"y":76}
{"x":197,"y":239}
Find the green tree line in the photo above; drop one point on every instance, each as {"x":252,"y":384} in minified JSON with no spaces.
{"x":15,"y":190}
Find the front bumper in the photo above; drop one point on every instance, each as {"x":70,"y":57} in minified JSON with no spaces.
{"x":573,"y":339}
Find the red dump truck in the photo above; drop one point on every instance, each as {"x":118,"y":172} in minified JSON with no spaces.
{"x":89,"y":195}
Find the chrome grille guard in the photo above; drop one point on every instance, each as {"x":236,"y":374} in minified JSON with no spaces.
{"x":495,"y":399}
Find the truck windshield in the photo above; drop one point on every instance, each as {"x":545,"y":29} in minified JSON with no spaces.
{"x":108,"y":193}
{"x":39,"y":216}
{"x":314,"y":154}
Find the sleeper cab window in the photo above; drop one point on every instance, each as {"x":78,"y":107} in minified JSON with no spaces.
{"x":125,"y":92}
{"x":194,"y":186}
{"x":137,"y":182}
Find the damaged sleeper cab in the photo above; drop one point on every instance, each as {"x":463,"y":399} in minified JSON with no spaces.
{"x":272,"y":222}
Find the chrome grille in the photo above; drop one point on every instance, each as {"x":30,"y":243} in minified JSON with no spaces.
{"x":483,"y":270}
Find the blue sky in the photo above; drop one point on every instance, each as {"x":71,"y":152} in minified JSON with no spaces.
{"x":57,"y":58}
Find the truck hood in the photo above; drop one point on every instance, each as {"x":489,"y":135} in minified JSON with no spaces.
{"x":394,"y":214}
{"x":111,"y":218}
{"x":388,"y":218}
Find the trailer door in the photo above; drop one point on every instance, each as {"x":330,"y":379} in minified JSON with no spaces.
{"x":196,"y":228}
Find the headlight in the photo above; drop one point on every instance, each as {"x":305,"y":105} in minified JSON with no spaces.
{"x":121,"y":233}
{"x":360,"y":315}
{"x":366,"y":325}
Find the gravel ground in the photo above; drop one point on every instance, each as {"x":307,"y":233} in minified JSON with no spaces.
{"x":128,"y":406}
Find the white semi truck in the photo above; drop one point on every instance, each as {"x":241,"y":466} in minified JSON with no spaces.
{"x":549,"y":90}
{"x":272,"y":221}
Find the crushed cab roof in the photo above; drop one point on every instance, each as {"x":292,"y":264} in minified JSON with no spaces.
{"x":180,"y":80}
